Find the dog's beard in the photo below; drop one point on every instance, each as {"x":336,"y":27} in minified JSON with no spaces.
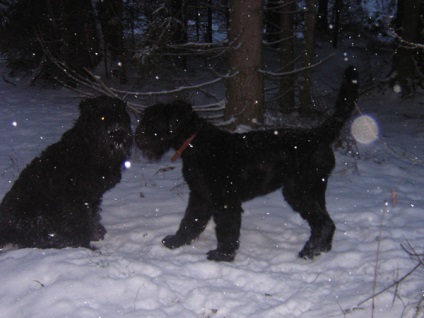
{"x":151,"y":146}
{"x":154,"y":151}
{"x":120,"y":141}
{"x":113,"y":144}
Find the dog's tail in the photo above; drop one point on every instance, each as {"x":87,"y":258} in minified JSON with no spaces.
{"x":345,"y":105}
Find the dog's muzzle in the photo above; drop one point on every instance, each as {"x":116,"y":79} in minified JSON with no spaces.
{"x":121,"y":138}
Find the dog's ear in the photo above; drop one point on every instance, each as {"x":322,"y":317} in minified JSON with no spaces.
{"x":87,"y":107}
{"x":183,"y":113}
{"x":182,"y":106}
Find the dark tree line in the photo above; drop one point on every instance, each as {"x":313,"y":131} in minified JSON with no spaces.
{"x":67,"y":28}
{"x":133,"y":34}
{"x":408,"y":63}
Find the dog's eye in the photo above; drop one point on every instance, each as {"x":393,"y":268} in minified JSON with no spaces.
{"x":103,"y":118}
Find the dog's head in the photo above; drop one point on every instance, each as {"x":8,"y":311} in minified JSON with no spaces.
{"x":107,"y":127}
{"x":163,"y":126}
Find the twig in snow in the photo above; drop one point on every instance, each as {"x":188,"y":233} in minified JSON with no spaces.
{"x":398,"y":281}
{"x":394,"y":197}
{"x":420,"y":306}
{"x":395,"y":283}
{"x":419,"y":256}
{"x":164,"y":169}
{"x":377,"y":260}
{"x":7,"y":81}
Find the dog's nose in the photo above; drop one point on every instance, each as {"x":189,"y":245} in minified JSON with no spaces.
{"x":119,"y":135}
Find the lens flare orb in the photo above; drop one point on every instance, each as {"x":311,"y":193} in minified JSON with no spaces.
{"x":365,"y":129}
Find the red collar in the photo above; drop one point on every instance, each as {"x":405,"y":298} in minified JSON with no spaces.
{"x":183,"y":147}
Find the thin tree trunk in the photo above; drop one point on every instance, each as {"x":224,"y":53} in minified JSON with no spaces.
{"x":287,"y":55}
{"x":338,"y":4}
{"x":179,"y":12}
{"x":208,"y":34}
{"x":273,"y":20}
{"x":308,"y":57}
{"x":80,"y":42}
{"x":197,"y":18}
{"x":322,"y":23}
{"x":404,"y":59}
{"x":245,"y":96}
{"x":110,"y":16}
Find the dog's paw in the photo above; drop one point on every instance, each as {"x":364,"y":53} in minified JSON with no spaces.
{"x":219,"y":256}
{"x":174,"y":241}
{"x":311,"y":250}
{"x":307,"y":254}
{"x":98,"y":233}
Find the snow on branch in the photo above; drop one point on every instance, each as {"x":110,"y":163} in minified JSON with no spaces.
{"x":299,"y":70}
{"x":171,"y":91}
{"x":405,"y":44}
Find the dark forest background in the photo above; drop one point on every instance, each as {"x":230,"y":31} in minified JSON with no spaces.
{"x":129,"y":42}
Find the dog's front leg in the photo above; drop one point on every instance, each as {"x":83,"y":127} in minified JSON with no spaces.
{"x":228,"y":223}
{"x":196,"y":217}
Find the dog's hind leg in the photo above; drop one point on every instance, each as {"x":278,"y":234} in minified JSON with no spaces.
{"x":228,"y":223}
{"x":196,"y":217}
{"x":309,"y":201}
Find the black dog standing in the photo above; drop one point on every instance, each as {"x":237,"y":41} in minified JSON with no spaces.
{"x":223,"y":170}
{"x":55,"y":202}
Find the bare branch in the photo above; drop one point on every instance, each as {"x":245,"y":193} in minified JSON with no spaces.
{"x":395,"y":283}
{"x":298,"y":70}
{"x":7,"y":81}
{"x":277,"y":41}
{"x":172,"y":91}
{"x":374,"y":286}
{"x":406,"y":44}
{"x":398,"y":281}
{"x":94,"y":83}
{"x":419,"y":256}
{"x":200,"y":46}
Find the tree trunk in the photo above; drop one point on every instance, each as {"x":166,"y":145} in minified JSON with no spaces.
{"x":179,"y":13}
{"x":273,"y":20}
{"x":404,"y":61}
{"x":80,"y":42}
{"x":308,"y":58}
{"x":197,"y":18}
{"x":322,"y":22}
{"x":245,"y":90}
{"x":287,"y":101}
{"x":110,"y":16}
{"x":179,"y":8}
{"x":208,"y":34}
{"x":338,"y":5}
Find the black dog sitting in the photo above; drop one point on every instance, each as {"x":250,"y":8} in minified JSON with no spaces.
{"x":223,"y":169}
{"x":55,"y":202}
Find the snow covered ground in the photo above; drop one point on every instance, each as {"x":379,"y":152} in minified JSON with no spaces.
{"x":133,"y":275}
